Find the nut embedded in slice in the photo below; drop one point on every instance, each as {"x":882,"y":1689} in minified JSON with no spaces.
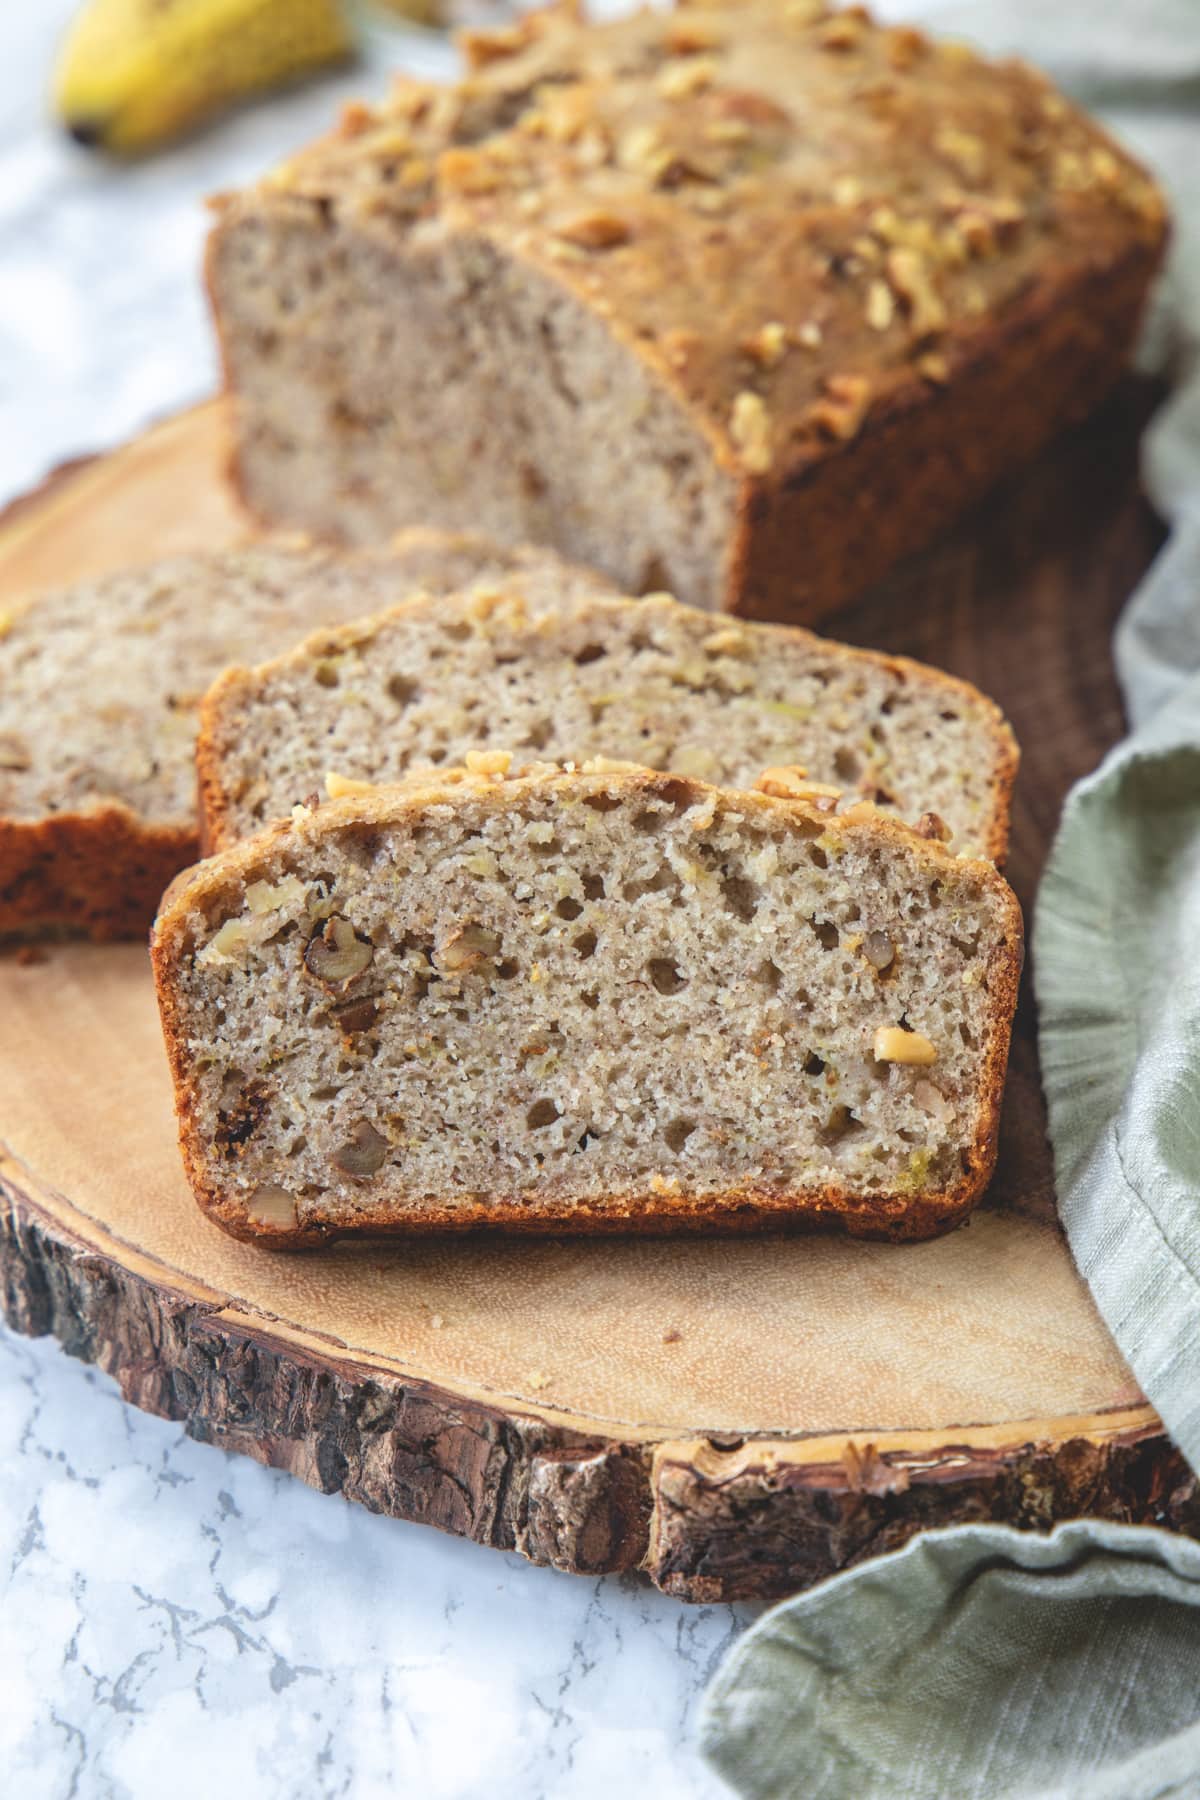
{"x":364,"y":1152}
{"x":273,"y":1206}
{"x":879,"y":950}
{"x":894,"y":1044}
{"x":337,"y":955}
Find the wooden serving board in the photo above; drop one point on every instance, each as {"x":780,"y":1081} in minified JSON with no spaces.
{"x":736,"y":1418}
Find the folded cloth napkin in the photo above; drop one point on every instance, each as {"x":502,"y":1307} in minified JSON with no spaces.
{"x":983,"y":1661}
{"x":979,"y":1663}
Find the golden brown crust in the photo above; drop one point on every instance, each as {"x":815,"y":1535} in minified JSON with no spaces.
{"x":215,"y":802}
{"x":222,"y":879}
{"x":810,"y":300}
{"x":100,"y":872}
{"x":932,"y":449}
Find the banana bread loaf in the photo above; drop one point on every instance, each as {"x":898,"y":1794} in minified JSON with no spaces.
{"x":99,"y":686}
{"x":603,"y":999}
{"x":743,"y":301}
{"x":648,"y":680}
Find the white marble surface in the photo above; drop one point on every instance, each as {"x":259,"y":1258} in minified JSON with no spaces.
{"x":174,"y":1619}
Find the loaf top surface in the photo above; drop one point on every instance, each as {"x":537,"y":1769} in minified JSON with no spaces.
{"x":794,"y":215}
{"x":100,"y":683}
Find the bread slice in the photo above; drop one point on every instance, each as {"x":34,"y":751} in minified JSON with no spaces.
{"x":99,"y":686}
{"x":594,"y":1000}
{"x":648,"y":680}
{"x":744,"y":300}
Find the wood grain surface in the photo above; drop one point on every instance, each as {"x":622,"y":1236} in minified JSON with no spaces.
{"x":734,"y":1418}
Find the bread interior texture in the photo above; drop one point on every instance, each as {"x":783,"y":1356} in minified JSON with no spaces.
{"x":584,"y":994}
{"x":646,"y":681}
{"x":430,"y":380}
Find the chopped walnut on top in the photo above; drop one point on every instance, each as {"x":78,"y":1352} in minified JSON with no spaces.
{"x":840,"y":413}
{"x":792,"y":783}
{"x":767,"y":345}
{"x":750,"y":429}
{"x":910,"y":276}
{"x":881,"y":306}
{"x":679,"y":79}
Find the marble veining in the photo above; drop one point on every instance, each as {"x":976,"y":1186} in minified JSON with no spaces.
{"x":174,"y":1616}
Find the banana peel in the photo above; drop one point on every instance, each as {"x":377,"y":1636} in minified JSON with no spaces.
{"x":133,"y":74}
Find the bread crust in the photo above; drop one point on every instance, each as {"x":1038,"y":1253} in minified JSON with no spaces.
{"x":220,"y":703}
{"x":897,"y":1217}
{"x":99,"y":872}
{"x":851,"y":485}
{"x":99,"y":869}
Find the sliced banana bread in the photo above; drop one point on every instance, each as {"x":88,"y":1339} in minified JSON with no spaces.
{"x":649,"y":680}
{"x":743,"y":300}
{"x":602,"y":999}
{"x":99,"y":686}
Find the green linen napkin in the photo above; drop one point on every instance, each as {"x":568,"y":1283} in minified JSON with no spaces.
{"x":977,"y":1663}
{"x":1116,"y":949}
{"x":982,"y":1663}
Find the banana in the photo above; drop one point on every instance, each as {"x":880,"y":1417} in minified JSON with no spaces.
{"x":419,"y":12}
{"x":133,"y":74}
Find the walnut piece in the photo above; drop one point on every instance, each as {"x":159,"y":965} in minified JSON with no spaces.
{"x":337,"y":955}
{"x":489,"y":762}
{"x":680,"y":79}
{"x":895,"y":1045}
{"x":750,"y":428}
{"x":793,"y":784}
{"x":768,"y":345}
{"x":841,"y":413}
{"x":909,"y":275}
{"x":363,"y":1153}
{"x":272,"y":1205}
{"x":881,"y":307}
{"x":845,"y":31}
{"x":879,"y":950}
{"x":356,"y":1016}
{"x":467,"y":947}
{"x":342,"y":787}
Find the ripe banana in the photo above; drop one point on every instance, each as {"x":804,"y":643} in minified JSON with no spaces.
{"x":134,"y":73}
{"x":420,"y":12}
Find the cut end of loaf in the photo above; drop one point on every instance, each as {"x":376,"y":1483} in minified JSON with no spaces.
{"x":583,"y":1001}
{"x":579,"y":674}
{"x":100,"y":684}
